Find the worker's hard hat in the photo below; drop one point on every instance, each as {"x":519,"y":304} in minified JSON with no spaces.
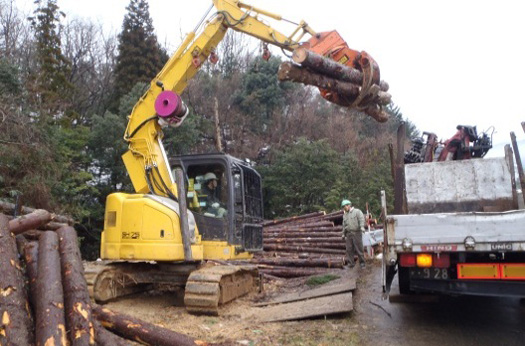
{"x":345,"y":202}
{"x":209,"y":176}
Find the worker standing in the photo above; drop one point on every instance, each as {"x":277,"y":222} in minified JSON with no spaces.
{"x":353,"y":228}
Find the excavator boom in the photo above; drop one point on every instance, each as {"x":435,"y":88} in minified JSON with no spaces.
{"x":146,"y":226}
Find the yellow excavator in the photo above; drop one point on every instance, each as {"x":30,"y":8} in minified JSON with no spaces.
{"x":163,"y":234}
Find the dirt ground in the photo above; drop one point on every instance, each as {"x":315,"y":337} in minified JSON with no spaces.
{"x":402,"y":320}
{"x":238,"y":322}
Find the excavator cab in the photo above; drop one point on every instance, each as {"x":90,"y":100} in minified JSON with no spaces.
{"x":231,"y":209}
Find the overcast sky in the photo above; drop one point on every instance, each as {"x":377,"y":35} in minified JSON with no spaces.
{"x":448,"y":62}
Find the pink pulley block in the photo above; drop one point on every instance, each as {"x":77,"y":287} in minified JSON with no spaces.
{"x":168,"y":104}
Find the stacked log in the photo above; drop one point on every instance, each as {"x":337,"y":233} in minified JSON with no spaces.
{"x":50,"y":286}
{"x":302,"y":245}
{"x":348,"y":86}
{"x":14,"y":308}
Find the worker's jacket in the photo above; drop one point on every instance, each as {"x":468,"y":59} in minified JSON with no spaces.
{"x":353,"y":221}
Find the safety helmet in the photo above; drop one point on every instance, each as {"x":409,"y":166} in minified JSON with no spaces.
{"x":209,"y":176}
{"x":345,"y":202}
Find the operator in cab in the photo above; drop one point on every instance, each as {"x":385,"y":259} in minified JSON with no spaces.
{"x":213,"y":203}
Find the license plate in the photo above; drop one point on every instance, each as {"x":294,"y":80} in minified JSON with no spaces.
{"x":501,"y":246}
{"x":430,"y":273}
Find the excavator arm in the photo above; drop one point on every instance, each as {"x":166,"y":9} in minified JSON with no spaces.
{"x":149,"y":225}
{"x":161,"y":106}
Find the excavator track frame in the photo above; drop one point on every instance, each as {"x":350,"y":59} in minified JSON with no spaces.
{"x":210,"y":287}
{"x":205,"y":287}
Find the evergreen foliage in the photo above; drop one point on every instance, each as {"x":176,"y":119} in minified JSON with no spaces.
{"x":140,"y":56}
{"x":51,"y":88}
{"x":299,"y":179}
{"x":61,"y":143}
{"x":262,"y":93}
{"x":9,"y":80}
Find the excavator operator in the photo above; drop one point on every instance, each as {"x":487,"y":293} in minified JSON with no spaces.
{"x":213,"y":203}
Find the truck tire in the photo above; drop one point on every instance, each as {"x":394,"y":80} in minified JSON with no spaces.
{"x":404,"y":281}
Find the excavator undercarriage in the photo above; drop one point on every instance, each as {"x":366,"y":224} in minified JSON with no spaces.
{"x":206,"y":287}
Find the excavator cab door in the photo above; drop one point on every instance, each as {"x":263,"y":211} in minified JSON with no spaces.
{"x":229,"y":210}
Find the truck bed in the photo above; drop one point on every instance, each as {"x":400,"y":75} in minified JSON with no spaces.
{"x":447,"y":231}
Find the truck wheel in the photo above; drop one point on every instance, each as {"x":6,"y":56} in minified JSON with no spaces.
{"x":404,"y":281}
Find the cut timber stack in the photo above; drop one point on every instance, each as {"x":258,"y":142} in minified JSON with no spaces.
{"x":351,"y":87}
{"x":44,"y":298}
{"x":303,"y":245}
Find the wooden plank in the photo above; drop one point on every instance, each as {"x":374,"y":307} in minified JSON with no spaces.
{"x":334,"y":304}
{"x":325,"y":290}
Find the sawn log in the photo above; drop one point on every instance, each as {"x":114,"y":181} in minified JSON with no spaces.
{"x":50,"y":319}
{"x":76,"y":296}
{"x":33,"y":220}
{"x":15,"y":318}
{"x":135,"y":329}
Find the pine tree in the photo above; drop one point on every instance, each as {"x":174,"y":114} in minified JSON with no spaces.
{"x":140,"y":56}
{"x":50,"y":85}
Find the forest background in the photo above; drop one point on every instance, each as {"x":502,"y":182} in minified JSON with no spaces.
{"x":66,"y":89}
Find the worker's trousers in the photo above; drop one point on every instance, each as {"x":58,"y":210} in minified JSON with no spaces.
{"x":354,"y":245}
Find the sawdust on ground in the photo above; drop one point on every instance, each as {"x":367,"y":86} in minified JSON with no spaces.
{"x":238,"y":322}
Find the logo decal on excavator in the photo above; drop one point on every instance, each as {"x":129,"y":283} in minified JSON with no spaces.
{"x":130,"y":235}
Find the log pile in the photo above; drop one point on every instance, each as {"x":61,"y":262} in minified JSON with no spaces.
{"x":44,"y":299}
{"x":303,"y":245}
{"x":341,"y":84}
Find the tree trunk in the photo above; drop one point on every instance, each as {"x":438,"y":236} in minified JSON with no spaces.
{"x":303,"y":235}
{"x":31,"y":259}
{"x":7,"y":207}
{"x":34,"y":220}
{"x":337,"y":262}
{"x":337,"y":215}
{"x":378,"y":113}
{"x":76,"y":296}
{"x":299,"y":226}
{"x":218,"y":137}
{"x":292,"y":272}
{"x":330,"y":245}
{"x":106,"y":338}
{"x":294,"y":73}
{"x":293,"y":218}
{"x":327,"y":66}
{"x":50,"y":319}
{"x":299,"y":230}
{"x":332,"y":240}
{"x":146,"y":333}
{"x":301,"y":249}
{"x":16,"y":325}
{"x":52,"y":226}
